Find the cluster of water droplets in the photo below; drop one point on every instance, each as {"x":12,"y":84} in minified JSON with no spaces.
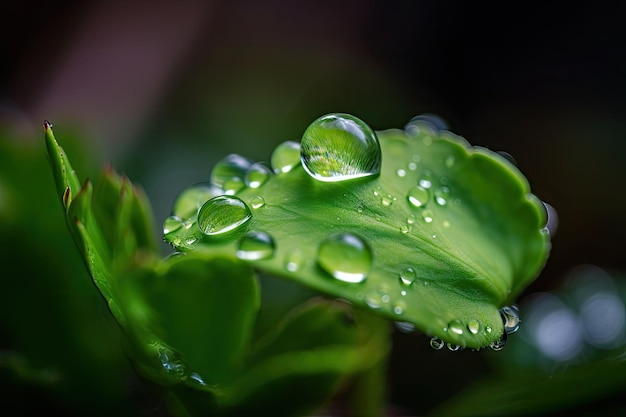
{"x":334,"y":148}
{"x":510,"y":321}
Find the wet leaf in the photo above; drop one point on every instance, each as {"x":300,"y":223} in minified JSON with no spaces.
{"x":189,"y":318}
{"x":443,"y":237}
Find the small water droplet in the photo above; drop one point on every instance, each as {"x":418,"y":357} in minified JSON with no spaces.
{"x":222,"y":214}
{"x":398,"y":309}
{"x":229,"y":173}
{"x":257,"y":175}
{"x":255,"y":245}
{"x":401,"y":173}
{"x":373,"y":301}
{"x":453,"y":348}
{"x":359,"y":209}
{"x":190,"y":240}
{"x":345,"y":257}
{"x":488,"y":329}
{"x":427,"y":140}
{"x":172,"y":224}
{"x":499,"y":344}
{"x":257,"y":202}
{"x":450,"y":160}
{"x":442,"y":195}
{"x":427,"y":215}
{"x":285,"y":157}
{"x":412,"y":166}
{"x":339,"y":147}
{"x":436,"y":343}
{"x":403,"y":293}
{"x":473,"y":326}
{"x":510,"y":318}
{"x":387,"y":200}
{"x":294,"y":260}
{"x":446,"y":223}
{"x":426,"y":180}
{"x":410,"y":219}
{"x":428,"y":122}
{"x":417,"y":196}
{"x":405,"y":229}
{"x":456,"y":327}
{"x":407,"y":276}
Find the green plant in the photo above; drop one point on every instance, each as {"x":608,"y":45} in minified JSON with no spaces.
{"x":412,"y":225}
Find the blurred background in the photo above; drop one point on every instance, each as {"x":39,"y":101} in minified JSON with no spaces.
{"x":163,"y":90}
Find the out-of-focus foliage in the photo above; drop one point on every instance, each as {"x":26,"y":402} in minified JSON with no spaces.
{"x":59,"y":347}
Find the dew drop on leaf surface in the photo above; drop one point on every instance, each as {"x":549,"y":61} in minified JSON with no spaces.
{"x":172,"y":224}
{"x":345,"y":257}
{"x":417,"y":196}
{"x":257,"y":175}
{"x":255,"y":245}
{"x":339,"y":147}
{"x":222,"y":214}
{"x":285,"y":157}
{"x":229,"y":173}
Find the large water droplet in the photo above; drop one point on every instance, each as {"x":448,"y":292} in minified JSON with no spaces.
{"x":257,"y":175}
{"x":285,"y":157}
{"x":172,"y":224}
{"x":339,"y":147}
{"x":229,"y":173}
{"x":255,"y":245}
{"x":510,"y":318}
{"x":222,"y":214}
{"x":345,"y":257}
{"x":417,"y":196}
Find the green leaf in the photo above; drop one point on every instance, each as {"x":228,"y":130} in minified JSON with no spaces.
{"x":189,"y":318}
{"x":459,"y":223}
{"x":202,"y":307}
{"x":307,"y":357}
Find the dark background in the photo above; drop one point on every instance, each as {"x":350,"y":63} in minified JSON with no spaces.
{"x":164,"y":90}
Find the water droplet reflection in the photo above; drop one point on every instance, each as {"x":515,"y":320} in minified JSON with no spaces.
{"x":339,"y":147}
{"x":345,"y":257}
